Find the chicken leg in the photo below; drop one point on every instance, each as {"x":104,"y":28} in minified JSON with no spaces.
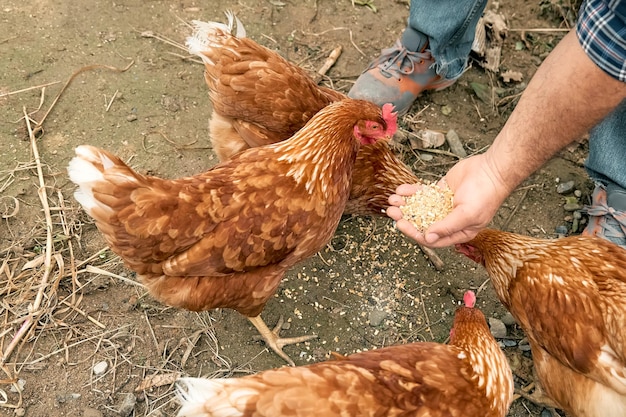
{"x":537,"y":397}
{"x":272,"y":339}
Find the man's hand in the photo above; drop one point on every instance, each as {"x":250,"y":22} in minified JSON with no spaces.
{"x":478,"y":193}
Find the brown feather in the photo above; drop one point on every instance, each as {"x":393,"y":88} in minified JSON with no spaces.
{"x":260,"y":98}
{"x":569,"y":296}
{"x":468,"y":378}
{"x":224,"y":238}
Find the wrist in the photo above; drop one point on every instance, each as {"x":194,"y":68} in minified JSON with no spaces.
{"x":502,"y":172}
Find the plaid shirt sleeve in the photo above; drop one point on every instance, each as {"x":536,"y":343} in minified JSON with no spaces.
{"x":601,"y":31}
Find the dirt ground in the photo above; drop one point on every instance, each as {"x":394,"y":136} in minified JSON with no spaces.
{"x":80,"y":343}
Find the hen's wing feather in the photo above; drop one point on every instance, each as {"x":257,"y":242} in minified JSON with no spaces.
{"x":251,"y":83}
{"x":377,"y":173}
{"x":581,"y":338}
{"x":425,"y":380}
{"x":211,"y":224}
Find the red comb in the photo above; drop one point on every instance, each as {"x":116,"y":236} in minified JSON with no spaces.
{"x":391,"y":118}
{"x":469,"y":299}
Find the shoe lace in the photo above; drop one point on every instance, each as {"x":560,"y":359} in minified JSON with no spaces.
{"x":399,"y":59}
{"x":614,"y":223}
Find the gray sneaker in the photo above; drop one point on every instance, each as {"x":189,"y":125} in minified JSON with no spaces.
{"x":400,"y":74}
{"x":607,"y":214}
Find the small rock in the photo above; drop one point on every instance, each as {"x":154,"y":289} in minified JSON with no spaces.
{"x":565,"y":187}
{"x":456,"y":146}
{"x":376,"y":317}
{"x":91,"y":412}
{"x":170,"y":104}
{"x":100,"y":368}
{"x":523,"y":345}
{"x":127,"y":404}
{"x":572,"y":207}
{"x":546,"y":413}
{"x":508,"y":319}
{"x":577,"y":215}
{"x":131,"y":117}
{"x":578,"y":193}
{"x":286,"y":325}
{"x":446,"y":110}
{"x":431,"y":138}
{"x":426,"y":157}
{"x":509,"y":342}
{"x":20,"y":412}
{"x":575,"y":225}
{"x":498,"y":329}
{"x":20,"y":384}
{"x":63,"y":398}
{"x":561,"y":230}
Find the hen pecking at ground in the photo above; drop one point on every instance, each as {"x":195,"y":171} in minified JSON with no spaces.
{"x":226,"y":237}
{"x":569,"y":297}
{"x":470,"y":377}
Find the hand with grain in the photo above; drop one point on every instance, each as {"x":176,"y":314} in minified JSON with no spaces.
{"x":226,"y":237}
{"x":477,"y":198}
{"x":470,"y":377}
{"x":556,"y":109}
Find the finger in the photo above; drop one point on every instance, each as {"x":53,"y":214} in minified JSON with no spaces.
{"x":408,"y":229}
{"x":407,"y":189}
{"x":435,"y":241}
{"x":442,"y":183}
{"x":394,"y":212}
{"x":454,"y":228}
{"x":396,"y":200}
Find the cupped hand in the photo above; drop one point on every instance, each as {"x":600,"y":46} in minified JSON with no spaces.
{"x":478,"y":193}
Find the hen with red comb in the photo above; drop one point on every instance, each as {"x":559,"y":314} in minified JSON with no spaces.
{"x":469,"y":377}
{"x":258,"y":98}
{"x":569,"y":297}
{"x":469,"y":299}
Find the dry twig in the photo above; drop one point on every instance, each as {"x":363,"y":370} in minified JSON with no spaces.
{"x":28,"y":89}
{"x":39,"y":125}
{"x":43,"y":197}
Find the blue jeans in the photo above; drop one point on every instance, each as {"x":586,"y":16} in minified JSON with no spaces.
{"x":606,"y":165}
{"x":450,"y":26}
{"x":607,"y":149}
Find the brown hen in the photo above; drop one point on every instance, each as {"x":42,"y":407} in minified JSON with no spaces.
{"x":226,"y":237}
{"x":260,"y":98}
{"x":470,"y":377}
{"x":569,"y":297}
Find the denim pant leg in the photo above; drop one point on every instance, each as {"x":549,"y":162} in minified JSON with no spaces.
{"x":607,"y":149}
{"x":450,"y":26}
{"x":606,"y":165}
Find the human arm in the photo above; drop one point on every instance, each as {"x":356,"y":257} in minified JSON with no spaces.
{"x":567,"y":96}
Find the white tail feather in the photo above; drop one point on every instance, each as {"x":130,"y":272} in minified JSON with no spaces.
{"x":202,"y":397}
{"x":84,"y":174}
{"x":84,"y":171}
{"x":207,"y":35}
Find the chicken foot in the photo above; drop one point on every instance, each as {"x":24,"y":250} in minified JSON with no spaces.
{"x":537,"y":397}
{"x":274,"y":341}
